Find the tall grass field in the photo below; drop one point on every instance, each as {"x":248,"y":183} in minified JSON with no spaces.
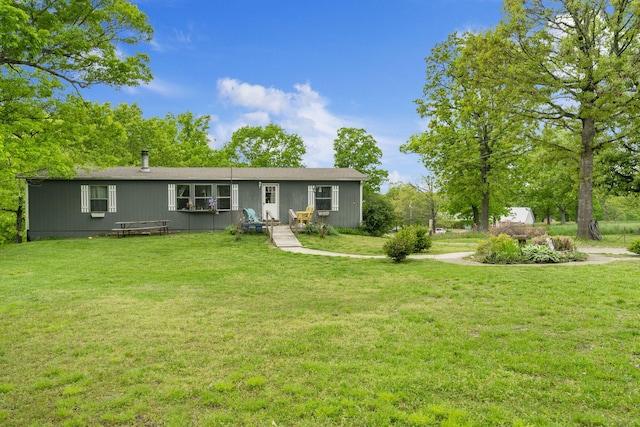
{"x":211,"y":330}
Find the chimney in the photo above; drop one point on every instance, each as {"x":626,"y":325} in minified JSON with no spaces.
{"x":145,"y":162}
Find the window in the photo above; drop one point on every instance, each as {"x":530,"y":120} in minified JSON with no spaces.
{"x":202,"y":195}
{"x":224,"y":197}
{"x":183,"y":196}
{"x":323,"y":198}
{"x":97,"y":198}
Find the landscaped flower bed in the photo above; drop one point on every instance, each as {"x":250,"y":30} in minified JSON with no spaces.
{"x":503,"y":249}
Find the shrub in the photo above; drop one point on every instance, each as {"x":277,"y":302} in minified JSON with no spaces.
{"x":560,"y":243}
{"x":377,"y":214}
{"x":501,"y":249}
{"x":401,"y":245}
{"x":423,"y":238}
{"x":563,"y":243}
{"x":540,"y":254}
{"x":635,"y":247}
{"x":511,"y":229}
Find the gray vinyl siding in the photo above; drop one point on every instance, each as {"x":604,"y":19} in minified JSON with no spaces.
{"x":55,"y":206}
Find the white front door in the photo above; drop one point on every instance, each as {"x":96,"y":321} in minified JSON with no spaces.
{"x":270,"y":200}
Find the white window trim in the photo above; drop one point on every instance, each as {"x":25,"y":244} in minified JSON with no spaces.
{"x":335,"y":196}
{"x":311,"y":196}
{"x":112,"y":206}
{"x":234,"y":197}
{"x":84,"y":199}
{"x":171,"y":194}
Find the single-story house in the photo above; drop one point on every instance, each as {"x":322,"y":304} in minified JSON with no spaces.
{"x":190,"y":199}
{"x":519,"y":216}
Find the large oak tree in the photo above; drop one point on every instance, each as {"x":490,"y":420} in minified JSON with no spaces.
{"x":579,"y":61}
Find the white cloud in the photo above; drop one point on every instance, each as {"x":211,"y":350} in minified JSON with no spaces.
{"x":302,"y":111}
{"x":157,"y":86}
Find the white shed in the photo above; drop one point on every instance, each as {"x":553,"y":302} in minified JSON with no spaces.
{"x":519,"y":215}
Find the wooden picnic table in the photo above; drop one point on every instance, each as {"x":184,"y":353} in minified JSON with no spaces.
{"x":125,"y":228}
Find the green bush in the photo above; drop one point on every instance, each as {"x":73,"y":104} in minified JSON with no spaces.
{"x":423,"y":238}
{"x":540,"y":254}
{"x":635,"y":247}
{"x":377,"y":214}
{"x":401,"y":245}
{"x":500,"y":249}
{"x":560,"y":243}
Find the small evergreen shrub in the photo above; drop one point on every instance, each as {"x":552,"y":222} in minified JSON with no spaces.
{"x":635,"y":247}
{"x":401,"y":245}
{"x":423,"y":238}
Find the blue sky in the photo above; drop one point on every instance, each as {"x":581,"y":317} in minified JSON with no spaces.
{"x":311,"y":67}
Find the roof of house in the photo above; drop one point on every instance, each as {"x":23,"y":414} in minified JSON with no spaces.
{"x":132,"y":173}
{"x":519,"y":214}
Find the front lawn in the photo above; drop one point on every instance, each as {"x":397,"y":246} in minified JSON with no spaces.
{"x":366,"y":245}
{"x":204,"y":329}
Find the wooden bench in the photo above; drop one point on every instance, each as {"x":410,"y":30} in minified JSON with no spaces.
{"x":521,"y":238}
{"x":126,"y":228}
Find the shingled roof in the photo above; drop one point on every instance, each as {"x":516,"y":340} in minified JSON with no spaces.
{"x":220,"y":174}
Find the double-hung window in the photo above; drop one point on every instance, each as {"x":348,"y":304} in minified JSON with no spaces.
{"x":224,"y":197}
{"x":324,"y":197}
{"x":97,"y":198}
{"x":203,"y":193}
{"x":183,"y":196}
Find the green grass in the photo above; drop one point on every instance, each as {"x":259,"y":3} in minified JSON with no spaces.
{"x":201,"y":329}
{"x":366,"y":245}
{"x":614,"y":234}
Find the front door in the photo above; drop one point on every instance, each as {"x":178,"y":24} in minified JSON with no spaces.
{"x":270,"y":200}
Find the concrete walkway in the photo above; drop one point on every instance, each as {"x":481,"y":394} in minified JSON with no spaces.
{"x":284,"y":239}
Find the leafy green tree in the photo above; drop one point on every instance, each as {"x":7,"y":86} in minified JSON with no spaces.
{"x":377,"y":214}
{"x":550,"y":176}
{"x":45,"y":48}
{"x":409,"y":205}
{"x":354,"y":148}
{"x":77,"y":42}
{"x":577,"y":60}
{"x":474,"y":142}
{"x":268,"y":146}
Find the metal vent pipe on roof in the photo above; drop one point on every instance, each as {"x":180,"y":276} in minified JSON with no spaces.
{"x":145,"y":161}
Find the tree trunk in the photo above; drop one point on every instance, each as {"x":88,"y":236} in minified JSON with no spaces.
{"x":563,"y":215}
{"x":485,"y":168}
{"x":19,"y":220}
{"x":484,"y":212}
{"x":585,"y":190}
{"x":476,"y":215}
